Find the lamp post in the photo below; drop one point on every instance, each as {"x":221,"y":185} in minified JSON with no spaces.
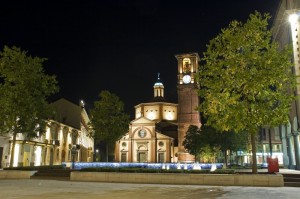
{"x":97,"y":155}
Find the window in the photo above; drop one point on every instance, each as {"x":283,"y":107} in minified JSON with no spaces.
{"x":161,"y":144}
{"x":277,"y":135}
{"x":161,"y":157}
{"x":263,"y":136}
{"x":276,"y":148}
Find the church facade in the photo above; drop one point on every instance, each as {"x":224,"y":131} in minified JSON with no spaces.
{"x":157,"y":132}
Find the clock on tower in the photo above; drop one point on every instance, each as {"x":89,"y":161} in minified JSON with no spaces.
{"x":188,"y":100}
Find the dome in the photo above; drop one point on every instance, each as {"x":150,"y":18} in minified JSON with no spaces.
{"x":158,"y":84}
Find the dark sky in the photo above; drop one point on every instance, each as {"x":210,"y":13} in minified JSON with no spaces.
{"x":118,"y":45}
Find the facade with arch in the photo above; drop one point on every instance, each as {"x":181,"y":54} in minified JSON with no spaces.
{"x":68,"y":129}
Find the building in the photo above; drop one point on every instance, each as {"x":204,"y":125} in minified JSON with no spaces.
{"x":157,"y":132}
{"x":286,"y":31}
{"x":152,"y":135}
{"x":188,"y":100}
{"x":66,"y":137}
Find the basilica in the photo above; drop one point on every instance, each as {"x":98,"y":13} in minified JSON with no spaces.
{"x":157,"y":132}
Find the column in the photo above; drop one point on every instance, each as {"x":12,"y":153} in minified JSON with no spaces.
{"x":168,"y":151}
{"x":297,"y":150}
{"x":153,"y":150}
{"x":130,"y":152}
{"x":284,"y":146}
{"x":291,"y":151}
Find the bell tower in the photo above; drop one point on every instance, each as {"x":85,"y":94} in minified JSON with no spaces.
{"x":158,"y":88}
{"x":188,"y":100}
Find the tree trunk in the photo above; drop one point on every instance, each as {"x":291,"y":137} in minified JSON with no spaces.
{"x":254,"y":161}
{"x":12,"y":153}
{"x":230,"y":157}
{"x":225,"y":160}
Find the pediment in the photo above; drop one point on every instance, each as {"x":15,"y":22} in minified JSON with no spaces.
{"x":142,"y":120}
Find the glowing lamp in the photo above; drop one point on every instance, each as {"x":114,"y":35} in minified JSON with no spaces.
{"x":293,"y":18}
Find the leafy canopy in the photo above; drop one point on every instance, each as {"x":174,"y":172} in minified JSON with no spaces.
{"x":108,"y":119}
{"x":246,"y":80}
{"x":24,"y":88}
{"x":200,"y":141}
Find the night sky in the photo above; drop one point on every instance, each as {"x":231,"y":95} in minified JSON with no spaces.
{"x":118,"y":45}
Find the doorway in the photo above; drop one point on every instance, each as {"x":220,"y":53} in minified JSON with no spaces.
{"x":142,"y":156}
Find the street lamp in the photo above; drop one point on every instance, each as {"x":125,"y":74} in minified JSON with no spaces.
{"x":293,"y":18}
{"x":97,"y":155}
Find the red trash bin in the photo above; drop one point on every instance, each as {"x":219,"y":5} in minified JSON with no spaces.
{"x":273,"y":165}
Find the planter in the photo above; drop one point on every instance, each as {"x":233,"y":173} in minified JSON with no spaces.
{"x":262,"y":180}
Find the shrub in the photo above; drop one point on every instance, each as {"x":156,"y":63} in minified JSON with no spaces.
{"x":146,"y":170}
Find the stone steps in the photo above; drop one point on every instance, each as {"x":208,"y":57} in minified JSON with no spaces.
{"x":291,"y":180}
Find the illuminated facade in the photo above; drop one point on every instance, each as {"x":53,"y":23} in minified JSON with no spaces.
{"x":286,"y":31}
{"x":152,"y":135}
{"x":69,"y":128}
{"x":188,"y":100}
{"x":157,"y":133}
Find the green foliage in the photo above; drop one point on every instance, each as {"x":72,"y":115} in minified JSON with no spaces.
{"x":246,"y":80}
{"x":193,"y":141}
{"x":108,"y":119}
{"x":24,"y":88}
{"x":209,"y":153}
{"x":207,"y":142}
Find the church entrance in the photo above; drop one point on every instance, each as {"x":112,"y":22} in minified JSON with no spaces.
{"x":123,"y":157}
{"x":142,"y":156}
{"x":161,"y":157}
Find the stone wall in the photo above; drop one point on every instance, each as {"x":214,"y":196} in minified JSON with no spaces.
{"x":266,"y":180}
{"x":14,"y":174}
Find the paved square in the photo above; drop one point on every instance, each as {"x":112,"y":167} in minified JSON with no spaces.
{"x":50,"y":189}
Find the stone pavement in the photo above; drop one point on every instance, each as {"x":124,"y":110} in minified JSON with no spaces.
{"x":281,"y":171}
{"x":55,"y":189}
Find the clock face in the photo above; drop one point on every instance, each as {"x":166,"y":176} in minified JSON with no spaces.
{"x":186,"y":79}
{"x":142,"y":133}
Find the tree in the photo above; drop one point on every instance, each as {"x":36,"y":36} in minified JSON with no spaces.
{"x":108,"y":119}
{"x":24,"y":88}
{"x":207,"y":141}
{"x":193,"y":141}
{"x":245,"y":80}
{"x":231,"y":141}
{"x":202,"y":142}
